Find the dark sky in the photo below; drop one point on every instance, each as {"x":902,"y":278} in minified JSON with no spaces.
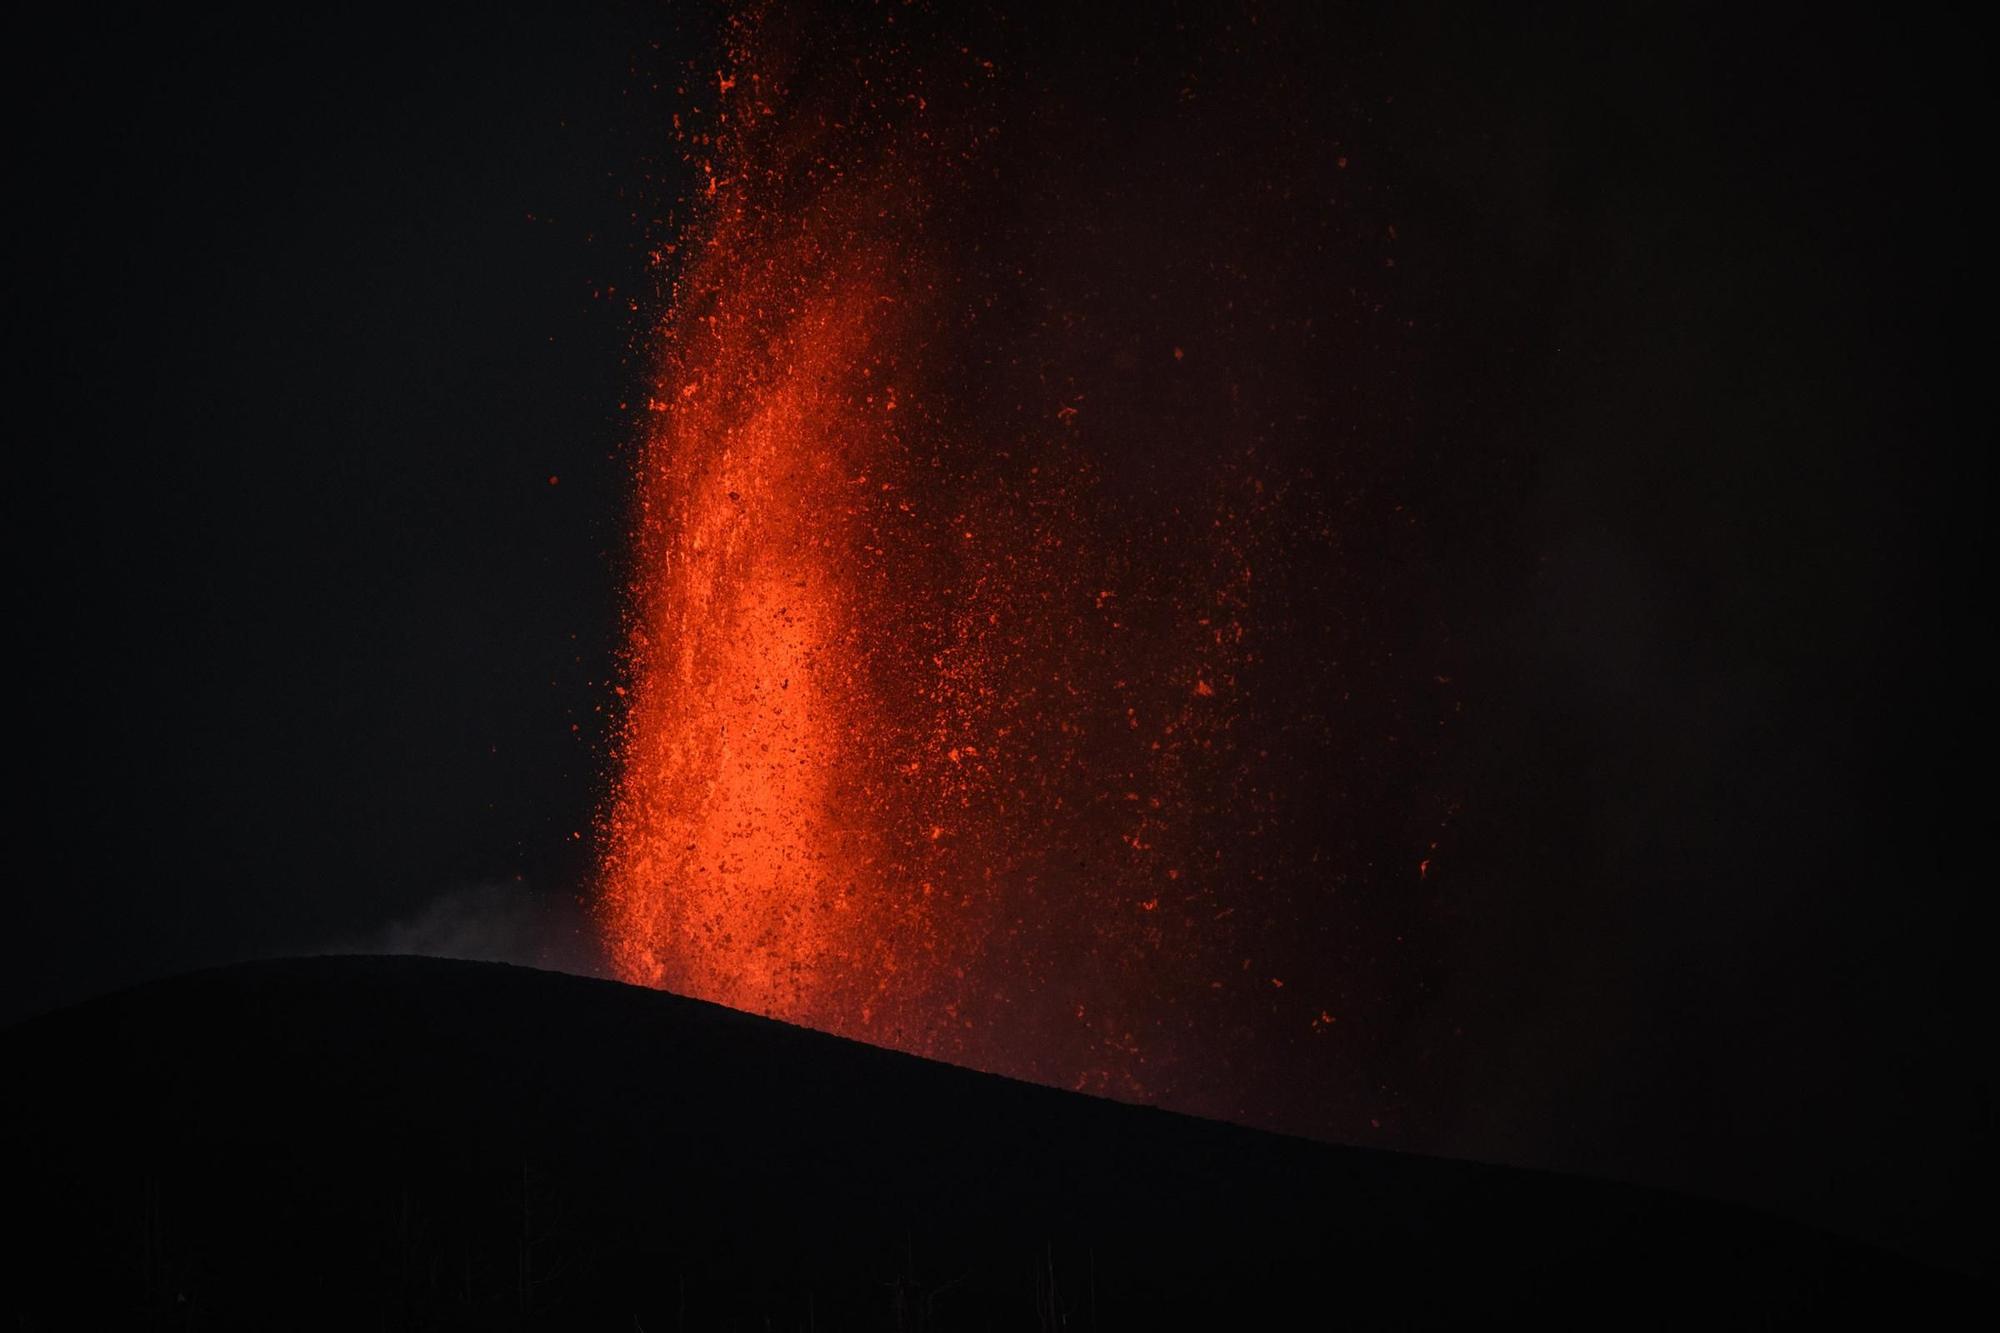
{"x":310,"y":309}
{"x":322,"y":323}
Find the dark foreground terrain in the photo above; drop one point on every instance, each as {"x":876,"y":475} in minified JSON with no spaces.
{"x":409,"y":1143}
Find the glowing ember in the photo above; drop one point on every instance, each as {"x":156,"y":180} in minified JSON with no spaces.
{"x":951,"y":601}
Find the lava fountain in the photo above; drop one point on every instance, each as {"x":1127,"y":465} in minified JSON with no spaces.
{"x":758,"y":848}
{"x":982,"y":697}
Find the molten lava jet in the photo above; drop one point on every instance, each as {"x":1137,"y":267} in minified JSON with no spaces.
{"x":982,"y":695}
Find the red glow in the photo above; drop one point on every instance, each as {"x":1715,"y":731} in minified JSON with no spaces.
{"x":940,"y":734}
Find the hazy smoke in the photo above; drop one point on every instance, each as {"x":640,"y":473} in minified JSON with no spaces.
{"x":497,"y":923}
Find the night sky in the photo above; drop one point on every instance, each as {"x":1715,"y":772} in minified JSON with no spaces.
{"x":328,"y":381}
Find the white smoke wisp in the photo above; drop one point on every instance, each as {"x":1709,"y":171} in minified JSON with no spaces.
{"x":496,"y":923}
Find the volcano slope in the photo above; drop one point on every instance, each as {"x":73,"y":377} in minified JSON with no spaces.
{"x":416,"y":1143}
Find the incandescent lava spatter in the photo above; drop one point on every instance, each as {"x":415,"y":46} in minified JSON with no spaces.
{"x":1004,"y":682}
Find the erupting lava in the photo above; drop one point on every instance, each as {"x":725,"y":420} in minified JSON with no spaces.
{"x":758,"y":844}
{"x":955,"y":574}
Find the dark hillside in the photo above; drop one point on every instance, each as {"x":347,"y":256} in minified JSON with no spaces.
{"x":390,"y":1142}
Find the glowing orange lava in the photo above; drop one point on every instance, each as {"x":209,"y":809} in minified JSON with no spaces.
{"x":958,"y":561}
{"x":751,"y":855}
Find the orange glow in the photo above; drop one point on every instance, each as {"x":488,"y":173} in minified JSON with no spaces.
{"x":930,"y":681}
{"x":905,"y":728}
{"x":858,"y":720}
{"x":752,"y":852}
